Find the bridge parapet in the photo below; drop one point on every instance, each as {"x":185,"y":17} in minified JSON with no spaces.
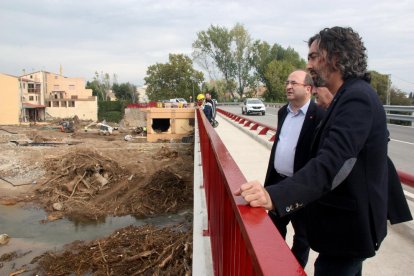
{"x":244,"y":240}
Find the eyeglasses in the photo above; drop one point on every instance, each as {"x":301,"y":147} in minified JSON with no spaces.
{"x":294,"y":83}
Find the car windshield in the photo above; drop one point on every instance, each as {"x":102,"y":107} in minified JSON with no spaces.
{"x":254,"y":101}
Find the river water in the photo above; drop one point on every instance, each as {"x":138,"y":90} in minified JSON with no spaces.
{"x":30,"y":237}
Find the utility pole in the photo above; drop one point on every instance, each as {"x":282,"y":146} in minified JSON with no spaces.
{"x":388,"y":100}
{"x":193,"y":79}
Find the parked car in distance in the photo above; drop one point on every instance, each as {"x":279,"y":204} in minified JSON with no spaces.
{"x":179,"y":100}
{"x":253,"y":106}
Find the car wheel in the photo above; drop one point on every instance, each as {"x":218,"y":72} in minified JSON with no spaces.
{"x":263,"y":113}
{"x":243,"y":111}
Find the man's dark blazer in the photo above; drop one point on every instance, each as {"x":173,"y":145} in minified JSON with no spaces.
{"x":398,"y":210}
{"x":345,"y":184}
{"x":302,"y":154}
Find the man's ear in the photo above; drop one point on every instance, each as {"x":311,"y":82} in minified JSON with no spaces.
{"x":335,"y":63}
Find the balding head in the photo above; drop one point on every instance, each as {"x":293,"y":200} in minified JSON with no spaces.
{"x":299,"y":88}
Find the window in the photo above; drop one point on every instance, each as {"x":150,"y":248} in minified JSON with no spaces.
{"x":71,"y":103}
{"x":74,"y":97}
{"x":30,"y":98}
{"x":30,"y":87}
{"x":38,"y":86}
{"x":64,"y":104}
{"x":49,"y":104}
{"x":55,"y":103}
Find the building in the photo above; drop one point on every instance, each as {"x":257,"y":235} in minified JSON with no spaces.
{"x":10,"y":104}
{"x":41,"y":95}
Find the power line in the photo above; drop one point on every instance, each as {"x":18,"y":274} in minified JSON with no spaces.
{"x":402,"y":79}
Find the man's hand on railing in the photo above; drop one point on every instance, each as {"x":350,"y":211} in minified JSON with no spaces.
{"x":255,"y":194}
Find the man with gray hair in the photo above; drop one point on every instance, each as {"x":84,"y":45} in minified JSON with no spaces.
{"x":345,"y":185}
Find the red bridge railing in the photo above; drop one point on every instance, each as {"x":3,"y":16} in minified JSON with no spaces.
{"x":244,"y":240}
{"x":253,"y":125}
{"x":405,"y":178}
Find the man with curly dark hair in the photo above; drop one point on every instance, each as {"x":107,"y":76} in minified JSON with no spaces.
{"x":344,"y":185}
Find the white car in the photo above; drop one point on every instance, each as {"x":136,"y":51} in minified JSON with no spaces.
{"x":253,"y":106}
{"x":179,"y":100}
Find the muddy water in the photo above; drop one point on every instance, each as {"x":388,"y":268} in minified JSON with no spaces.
{"x":30,"y":237}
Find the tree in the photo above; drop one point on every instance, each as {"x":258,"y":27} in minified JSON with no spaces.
{"x":215,"y":43}
{"x":100,"y":85}
{"x":174,"y":79}
{"x":398,"y":97}
{"x":272,"y":66}
{"x":125,"y":91}
{"x":380,"y":83}
{"x":276,"y":73}
{"x":242,"y":56}
{"x":96,"y":89}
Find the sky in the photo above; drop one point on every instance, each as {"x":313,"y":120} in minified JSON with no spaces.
{"x":124,"y":37}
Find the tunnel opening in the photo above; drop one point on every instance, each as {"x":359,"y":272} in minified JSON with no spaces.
{"x":160,"y":125}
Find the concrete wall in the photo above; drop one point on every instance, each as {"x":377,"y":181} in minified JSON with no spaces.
{"x":135,"y":117}
{"x":10,"y":104}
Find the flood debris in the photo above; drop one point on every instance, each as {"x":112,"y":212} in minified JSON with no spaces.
{"x":144,"y":250}
{"x":102,"y":177}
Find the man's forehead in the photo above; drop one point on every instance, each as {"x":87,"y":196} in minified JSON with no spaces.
{"x":297,"y":74}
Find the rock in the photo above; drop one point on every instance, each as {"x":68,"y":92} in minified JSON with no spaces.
{"x":54,"y":216}
{"x":4,"y":239}
{"x":8,"y":201}
{"x":57,"y":206}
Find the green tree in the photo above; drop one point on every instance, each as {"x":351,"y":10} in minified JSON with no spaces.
{"x":215,"y":43}
{"x":242,"y":56}
{"x":125,"y":91}
{"x":272,"y":66}
{"x":398,"y":97}
{"x":96,"y":89}
{"x":276,"y":73}
{"x":100,"y":85}
{"x":380,"y":83}
{"x":176,"y":78}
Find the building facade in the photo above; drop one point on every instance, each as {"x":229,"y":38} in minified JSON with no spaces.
{"x":41,"y":95}
{"x":10,"y":104}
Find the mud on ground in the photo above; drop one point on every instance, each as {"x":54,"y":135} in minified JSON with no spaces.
{"x":89,"y":176}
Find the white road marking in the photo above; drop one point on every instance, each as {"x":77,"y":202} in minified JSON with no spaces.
{"x":409,"y":195}
{"x":402,"y":142}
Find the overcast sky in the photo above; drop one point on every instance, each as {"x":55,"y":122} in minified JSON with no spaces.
{"x":124,"y":37}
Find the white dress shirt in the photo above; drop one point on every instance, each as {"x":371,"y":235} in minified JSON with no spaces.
{"x":288,"y":139}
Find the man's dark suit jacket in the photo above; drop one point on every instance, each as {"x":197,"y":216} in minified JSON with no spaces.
{"x":398,"y":210}
{"x":302,"y":154}
{"x":345,"y":184}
